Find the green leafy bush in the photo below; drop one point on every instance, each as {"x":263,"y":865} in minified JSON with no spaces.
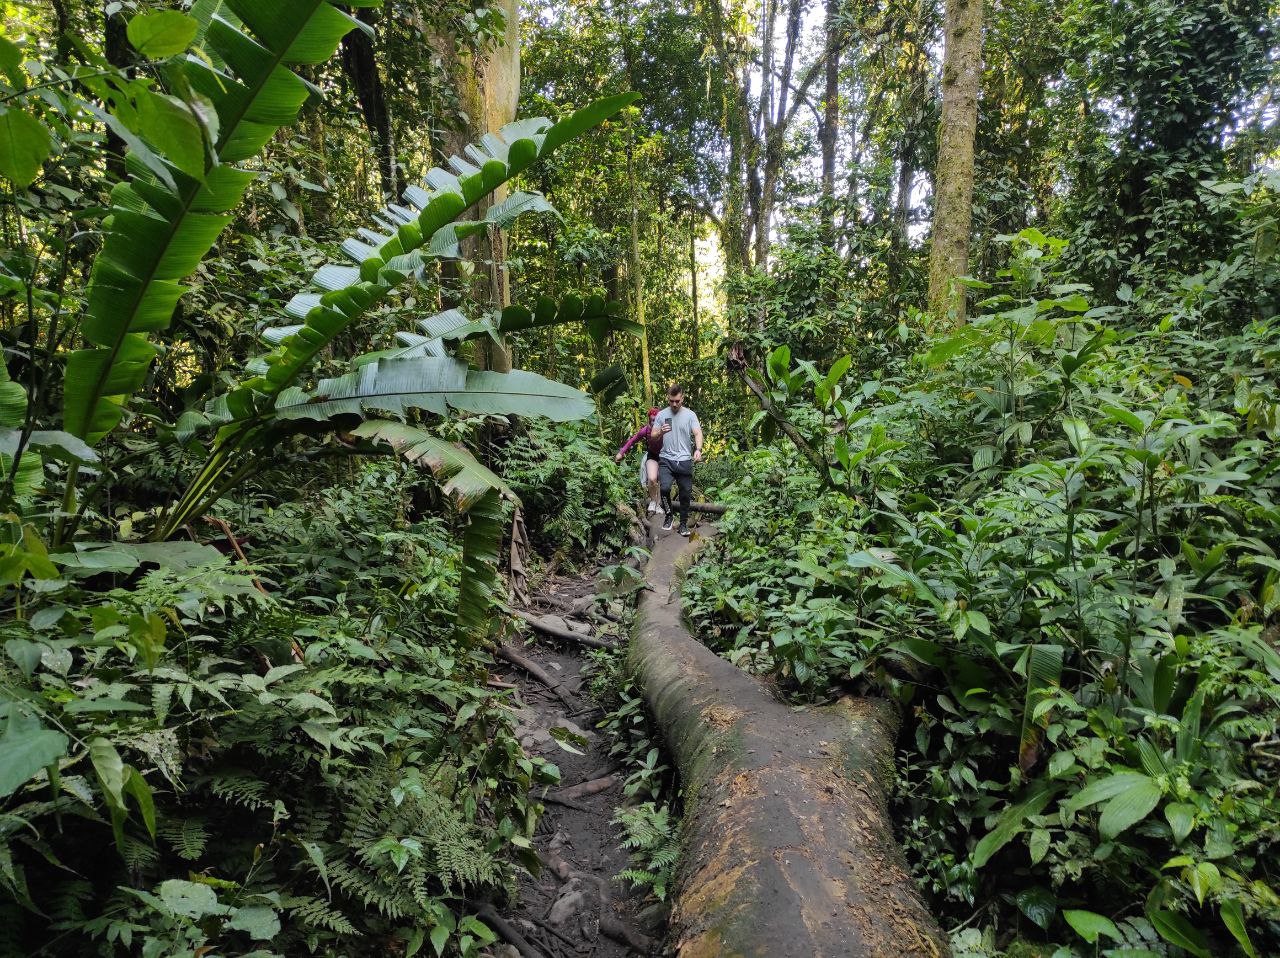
{"x":1053,"y":538}
{"x":574,"y":494}
{"x":320,"y":802}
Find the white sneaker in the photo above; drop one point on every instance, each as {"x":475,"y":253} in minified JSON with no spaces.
{"x":653,"y":507}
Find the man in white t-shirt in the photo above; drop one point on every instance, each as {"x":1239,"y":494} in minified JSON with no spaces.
{"x":681,"y":448}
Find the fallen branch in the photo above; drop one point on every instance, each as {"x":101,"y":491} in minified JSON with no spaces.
{"x":508,"y":654}
{"x":626,"y":935}
{"x":592,"y":787}
{"x":558,"y":633}
{"x":508,"y":933}
{"x":609,"y":925}
{"x":789,"y":848}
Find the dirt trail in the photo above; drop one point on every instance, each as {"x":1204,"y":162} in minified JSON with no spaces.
{"x":560,"y":913}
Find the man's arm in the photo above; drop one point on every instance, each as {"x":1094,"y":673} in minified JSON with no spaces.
{"x":697,"y":441}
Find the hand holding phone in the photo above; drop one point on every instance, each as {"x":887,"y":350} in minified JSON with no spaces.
{"x":666,"y":426}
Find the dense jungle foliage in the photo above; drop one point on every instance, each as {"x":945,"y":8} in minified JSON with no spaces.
{"x":305,"y":310}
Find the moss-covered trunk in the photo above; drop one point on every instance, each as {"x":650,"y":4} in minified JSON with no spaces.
{"x":789,"y":848}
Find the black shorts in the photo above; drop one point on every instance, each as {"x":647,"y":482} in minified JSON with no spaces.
{"x":669,"y":469}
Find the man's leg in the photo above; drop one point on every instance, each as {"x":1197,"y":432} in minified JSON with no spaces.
{"x":685,"y":483}
{"x":664,"y":483}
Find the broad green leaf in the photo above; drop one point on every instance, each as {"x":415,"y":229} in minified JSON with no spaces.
{"x":1233,"y":917}
{"x":137,"y":786}
{"x":190,"y":899}
{"x":1181,"y":819}
{"x":171,"y":127}
{"x":1129,"y":807}
{"x":1089,"y":925}
{"x":162,"y":34}
{"x":25,"y":748}
{"x":1011,"y":822}
{"x":24,"y":146}
{"x":165,"y":219}
{"x":1176,"y":930}
{"x":110,"y":768}
{"x":1039,"y":904}
{"x":260,"y":922}
{"x":479,"y":579}
{"x":1102,"y":790}
{"x":463,"y":476}
{"x":439,"y":938}
{"x":11,"y":63}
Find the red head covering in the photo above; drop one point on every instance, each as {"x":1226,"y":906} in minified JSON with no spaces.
{"x":652,"y":413}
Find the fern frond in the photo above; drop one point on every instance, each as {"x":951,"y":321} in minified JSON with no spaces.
{"x":187,"y":836}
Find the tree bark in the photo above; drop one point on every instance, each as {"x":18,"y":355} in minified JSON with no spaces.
{"x":488,"y":87}
{"x":360,"y":64}
{"x":734,"y":117}
{"x":953,"y":203}
{"x":695,"y":333}
{"x":789,"y":849}
{"x":116,"y":50}
{"x":829,"y":129}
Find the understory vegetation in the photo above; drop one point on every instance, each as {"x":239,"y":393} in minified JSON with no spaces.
{"x":1051,"y":537}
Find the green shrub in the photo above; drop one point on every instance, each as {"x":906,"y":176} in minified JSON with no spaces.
{"x":1053,"y":539}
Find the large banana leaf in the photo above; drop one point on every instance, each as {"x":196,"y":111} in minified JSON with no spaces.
{"x":436,"y":385}
{"x":381,"y":258}
{"x":481,"y":543}
{"x":345,"y":292}
{"x":464,"y":478}
{"x":165,"y":219}
{"x":600,"y":317}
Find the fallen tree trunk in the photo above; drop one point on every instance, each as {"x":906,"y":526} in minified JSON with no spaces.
{"x":789,"y":850}
{"x":710,"y":508}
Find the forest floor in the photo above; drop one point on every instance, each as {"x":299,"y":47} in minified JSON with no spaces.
{"x":576,"y":907}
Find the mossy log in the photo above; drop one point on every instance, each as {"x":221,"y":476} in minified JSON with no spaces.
{"x":789,"y":850}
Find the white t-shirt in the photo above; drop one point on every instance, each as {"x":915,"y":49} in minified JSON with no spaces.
{"x":677,"y":445}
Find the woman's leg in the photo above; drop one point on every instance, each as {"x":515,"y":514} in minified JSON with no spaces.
{"x":652,"y":466}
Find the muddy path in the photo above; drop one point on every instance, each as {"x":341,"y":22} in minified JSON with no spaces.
{"x":577,"y":907}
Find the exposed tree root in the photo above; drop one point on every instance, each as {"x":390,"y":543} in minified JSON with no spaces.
{"x":546,"y":628}
{"x":510,"y":655}
{"x":789,"y":850}
{"x":590,"y":787}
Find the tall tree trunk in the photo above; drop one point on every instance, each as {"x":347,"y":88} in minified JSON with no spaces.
{"x":695,"y":334}
{"x":953,"y":203}
{"x":360,"y":64}
{"x":735,"y":121}
{"x":489,"y":91}
{"x":116,"y":49}
{"x":830,"y":127}
{"x":637,"y":274}
{"x":775,"y":121}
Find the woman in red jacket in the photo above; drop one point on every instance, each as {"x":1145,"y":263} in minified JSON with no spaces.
{"x":649,"y":459}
